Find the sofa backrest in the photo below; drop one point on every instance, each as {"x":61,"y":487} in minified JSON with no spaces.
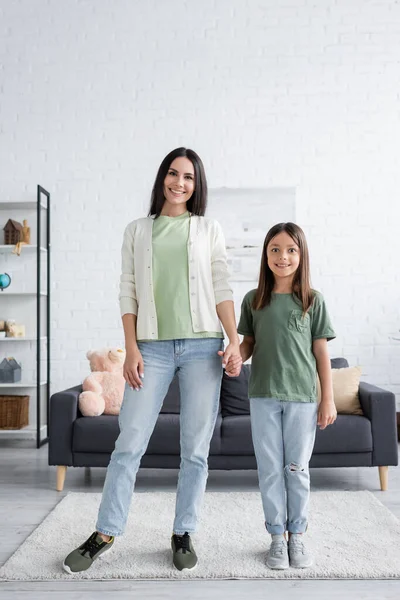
{"x":234,"y":400}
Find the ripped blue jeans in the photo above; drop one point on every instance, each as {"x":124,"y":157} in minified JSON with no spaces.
{"x":283,"y":437}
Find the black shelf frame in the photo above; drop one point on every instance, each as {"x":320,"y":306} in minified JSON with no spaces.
{"x":41,"y":207}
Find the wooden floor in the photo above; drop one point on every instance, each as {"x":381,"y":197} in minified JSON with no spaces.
{"x":27,"y":495}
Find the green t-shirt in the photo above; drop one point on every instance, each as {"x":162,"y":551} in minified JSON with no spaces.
{"x":283,"y":364}
{"x":171,"y":279}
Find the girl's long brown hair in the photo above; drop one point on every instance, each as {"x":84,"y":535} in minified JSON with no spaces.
{"x":301,"y":288}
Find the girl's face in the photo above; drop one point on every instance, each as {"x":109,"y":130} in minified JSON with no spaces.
{"x":179,"y":182}
{"x":283,"y":255}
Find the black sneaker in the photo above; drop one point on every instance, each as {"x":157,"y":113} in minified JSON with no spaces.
{"x":83,"y":557}
{"x":183,"y":554}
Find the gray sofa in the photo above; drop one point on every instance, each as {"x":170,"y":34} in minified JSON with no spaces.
{"x":352,"y":441}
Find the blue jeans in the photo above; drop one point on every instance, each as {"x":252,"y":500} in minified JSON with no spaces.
{"x":283,"y":437}
{"x":199,"y":369}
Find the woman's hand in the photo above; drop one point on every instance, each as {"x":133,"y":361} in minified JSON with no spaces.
{"x":231,"y":359}
{"x":134,"y":368}
{"x":327,"y":413}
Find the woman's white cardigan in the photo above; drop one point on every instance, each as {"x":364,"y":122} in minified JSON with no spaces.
{"x":208,"y":275}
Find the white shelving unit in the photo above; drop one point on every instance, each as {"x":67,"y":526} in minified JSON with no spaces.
{"x":21,"y":384}
{"x":39,"y":335}
{"x":26,"y":433}
{"x":22,"y":293}
{"x":9,"y":249}
{"x":23,"y":339}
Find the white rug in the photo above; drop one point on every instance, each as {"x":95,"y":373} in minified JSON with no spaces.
{"x":351,"y":534}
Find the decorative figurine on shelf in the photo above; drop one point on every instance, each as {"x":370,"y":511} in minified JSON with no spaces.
{"x":14,"y":330}
{"x":25,"y":238}
{"x":5,"y":281}
{"x":10,"y":371}
{"x":12,"y":232}
{"x":17,"y":234}
{"x":8,"y":325}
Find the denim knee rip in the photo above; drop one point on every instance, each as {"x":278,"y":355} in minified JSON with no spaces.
{"x":293,"y":468}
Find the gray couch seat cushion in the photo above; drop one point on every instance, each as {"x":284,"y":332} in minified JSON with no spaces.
{"x":236,"y":436}
{"x":95,"y":434}
{"x":99,"y":434}
{"x":165,"y":439}
{"x":166,"y":436}
{"x":350,"y":433}
{"x":171,"y":402}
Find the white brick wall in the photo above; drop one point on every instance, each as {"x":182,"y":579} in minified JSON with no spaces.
{"x":301,"y":93}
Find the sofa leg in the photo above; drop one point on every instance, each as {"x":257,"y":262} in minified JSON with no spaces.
{"x":61,"y":473}
{"x":383,"y":478}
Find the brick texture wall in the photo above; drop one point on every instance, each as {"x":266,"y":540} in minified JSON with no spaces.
{"x":299,"y":93}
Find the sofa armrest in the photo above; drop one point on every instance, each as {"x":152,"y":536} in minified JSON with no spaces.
{"x":63,"y":412}
{"x":380,"y":407}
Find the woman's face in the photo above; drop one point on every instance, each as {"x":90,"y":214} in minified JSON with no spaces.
{"x":283,"y":255}
{"x":179,"y":182}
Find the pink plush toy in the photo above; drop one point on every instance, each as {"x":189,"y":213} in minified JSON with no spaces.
{"x":103,"y":389}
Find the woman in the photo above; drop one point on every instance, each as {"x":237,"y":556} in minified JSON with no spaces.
{"x":174,"y":295}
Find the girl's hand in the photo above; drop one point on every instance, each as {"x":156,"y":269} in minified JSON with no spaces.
{"x":134,"y":369}
{"x":231,"y":360}
{"x":327,"y":413}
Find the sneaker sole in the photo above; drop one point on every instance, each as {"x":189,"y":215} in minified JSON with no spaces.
{"x":185,"y":568}
{"x":307,"y":566}
{"x":276,"y":568}
{"x":68,"y":570}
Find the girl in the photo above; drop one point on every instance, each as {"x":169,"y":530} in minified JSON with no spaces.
{"x":174,"y":295}
{"x":286,"y":327}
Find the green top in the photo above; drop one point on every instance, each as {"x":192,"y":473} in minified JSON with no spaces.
{"x":283,"y":364}
{"x":171,"y":279}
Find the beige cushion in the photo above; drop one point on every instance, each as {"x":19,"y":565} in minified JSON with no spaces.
{"x":345,"y":390}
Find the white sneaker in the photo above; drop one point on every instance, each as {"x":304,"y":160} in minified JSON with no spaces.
{"x":278,"y":557}
{"x":299,"y":556}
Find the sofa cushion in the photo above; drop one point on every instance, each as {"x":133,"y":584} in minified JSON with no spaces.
{"x":99,"y":434}
{"x":349,"y":433}
{"x":236,"y":436}
{"x":346,"y":383}
{"x":166,"y":436}
{"x":171,"y":402}
{"x":339,"y":363}
{"x":234,"y":390}
{"x":234,"y":393}
{"x":95,"y":434}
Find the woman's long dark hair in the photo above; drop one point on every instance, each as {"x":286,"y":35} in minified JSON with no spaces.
{"x":197,"y":203}
{"x":301,"y":288}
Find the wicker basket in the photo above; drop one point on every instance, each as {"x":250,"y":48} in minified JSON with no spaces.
{"x":14,"y":412}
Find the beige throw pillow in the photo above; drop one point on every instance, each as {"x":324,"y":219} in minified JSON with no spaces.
{"x":345,"y":390}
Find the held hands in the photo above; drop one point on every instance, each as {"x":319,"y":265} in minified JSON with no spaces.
{"x":231,"y":359}
{"x":134,"y":369}
{"x":326,"y":413}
